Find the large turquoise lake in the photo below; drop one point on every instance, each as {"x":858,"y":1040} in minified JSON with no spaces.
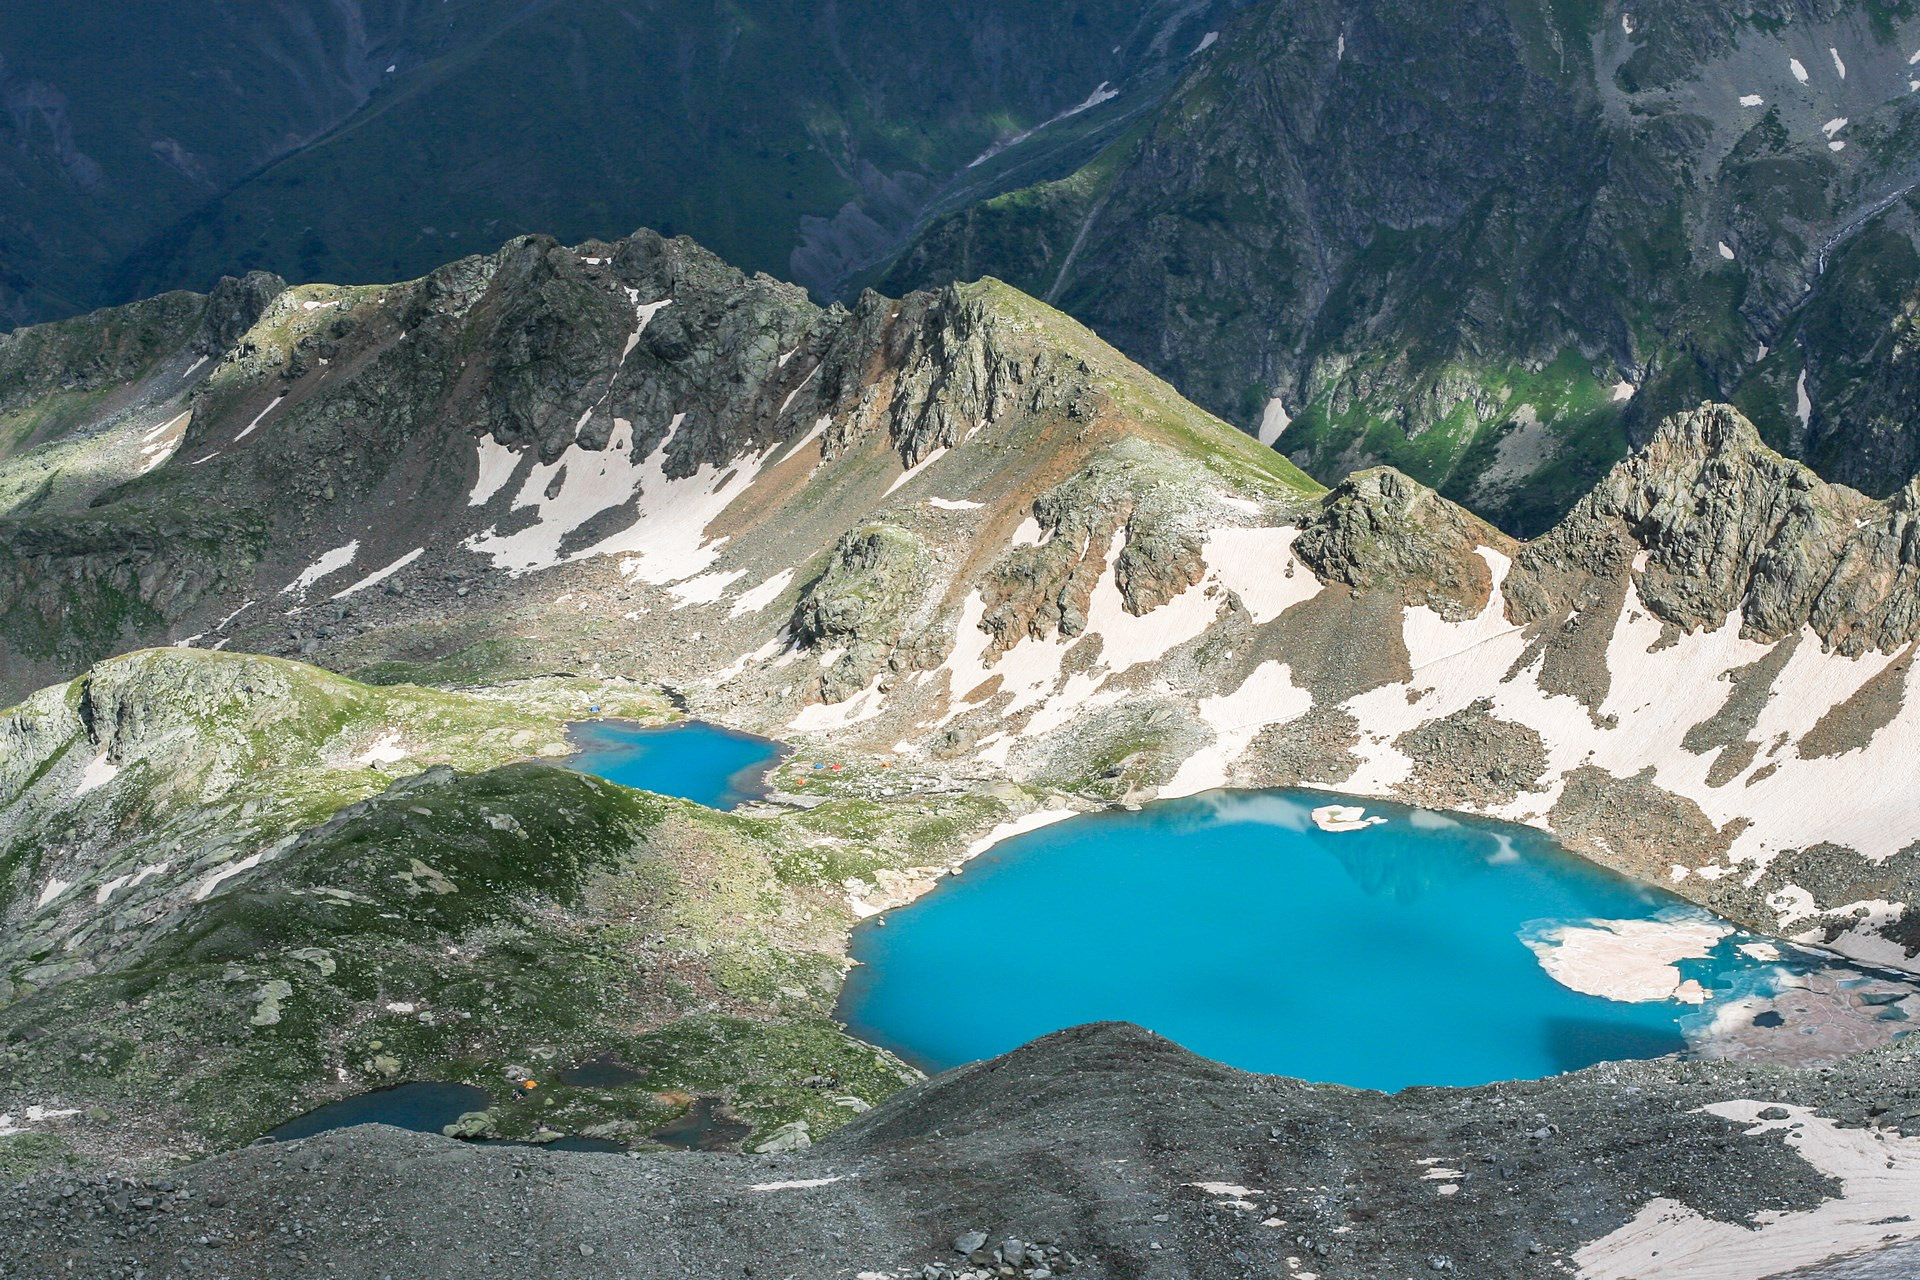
{"x":1416,"y":951}
{"x":696,"y":761}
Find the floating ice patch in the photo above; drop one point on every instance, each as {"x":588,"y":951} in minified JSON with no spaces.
{"x":1274,"y":421}
{"x":1838,"y":65}
{"x":332,"y":562}
{"x":1626,"y":960}
{"x":1752,"y":100}
{"x":1798,"y":68}
{"x":1344,"y":817}
{"x":379,"y":576}
{"x":259,"y":418}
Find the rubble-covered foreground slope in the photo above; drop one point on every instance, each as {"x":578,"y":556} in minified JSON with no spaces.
{"x":1105,"y":1143}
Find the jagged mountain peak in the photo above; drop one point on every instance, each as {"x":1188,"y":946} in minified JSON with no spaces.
{"x":1728,"y":526}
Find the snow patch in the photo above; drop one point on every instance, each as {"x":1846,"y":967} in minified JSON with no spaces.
{"x":98,"y":773}
{"x":386,"y":749}
{"x":379,"y":576}
{"x":954,"y":504}
{"x":1626,"y":960}
{"x":758,"y":598}
{"x":1206,"y":43}
{"x":1879,"y":1173}
{"x":55,"y":887}
{"x":705,"y":589}
{"x":497,"y":465}
{"x":917,"y":468}
{"x":260,"y":418}
{"x":1725,"y":252}
{"x":1798,"y":68}
{"x":1018,"y":827}
{"x":1838,"y":64}
{"x":1274,"y":421}
{"x":225,"y":874}
{"x":1802,"y":402}
{"x":1753,"y":100}
{"x":332,"y":562}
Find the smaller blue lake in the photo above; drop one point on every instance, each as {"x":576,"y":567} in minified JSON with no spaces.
{"x":700,"y":762}
{"x":1419,"y":951}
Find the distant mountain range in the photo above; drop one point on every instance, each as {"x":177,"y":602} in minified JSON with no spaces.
{"x":1490,"y":243}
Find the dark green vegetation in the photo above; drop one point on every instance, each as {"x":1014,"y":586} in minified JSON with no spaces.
{"x":376,"y":139}
{"x":1491,"y":243}
{"x":1482,"y":241}
{"x":249,"y":913}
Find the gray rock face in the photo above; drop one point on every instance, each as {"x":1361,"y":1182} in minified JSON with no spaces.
{"x":1379,"y":529}
{"x":874,"y":584}
{"x":1730,"y":527}
{"x":1442,"y":236}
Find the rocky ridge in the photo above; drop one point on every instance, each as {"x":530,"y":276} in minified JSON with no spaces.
{"x":1621,"y":1170}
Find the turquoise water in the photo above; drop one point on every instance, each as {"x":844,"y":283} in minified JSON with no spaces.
{"x":1382,"y":958}
{"x":699,"y":762}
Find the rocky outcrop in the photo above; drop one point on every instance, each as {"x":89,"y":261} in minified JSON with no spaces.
{"x":234,"y":306}
{"x":1043,"y":589}
{"x":929,"y":370}
{"x":863,"y":604}
{"x":1380,"y":530}
{"x":1731,"y":528}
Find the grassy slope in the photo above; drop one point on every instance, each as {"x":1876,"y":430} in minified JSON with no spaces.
{"x":531,"y":917}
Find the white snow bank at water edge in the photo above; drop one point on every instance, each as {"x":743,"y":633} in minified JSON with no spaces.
{"x":1879,"y":1174}
{"x":1626,"y":960}
{"x":1018,"y":827}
